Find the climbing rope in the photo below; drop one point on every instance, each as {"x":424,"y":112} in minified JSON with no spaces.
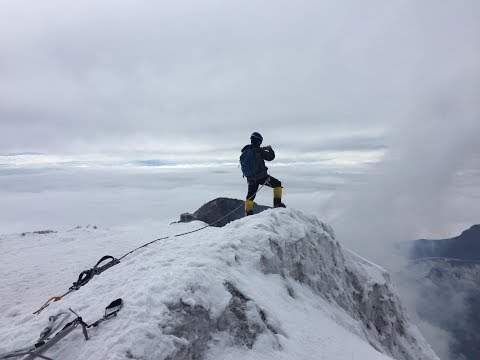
{"x":86,"y":275}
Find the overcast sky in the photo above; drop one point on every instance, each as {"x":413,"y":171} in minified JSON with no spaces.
{"x":342,"y":84}
{"x":186,"y":79}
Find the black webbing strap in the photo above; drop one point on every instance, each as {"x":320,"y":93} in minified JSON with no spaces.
{"x":86,"y":275}
{"x":99,"y":269}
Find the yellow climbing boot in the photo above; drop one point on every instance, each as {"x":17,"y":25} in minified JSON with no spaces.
{"x":277,"y":197}
{"x":277,"y":192}
{"x":249,"y":207}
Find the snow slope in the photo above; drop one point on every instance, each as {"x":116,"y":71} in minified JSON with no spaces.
{"x":276,"y":285}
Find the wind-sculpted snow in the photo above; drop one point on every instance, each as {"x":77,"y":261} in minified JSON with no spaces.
{"x":276,"y":285}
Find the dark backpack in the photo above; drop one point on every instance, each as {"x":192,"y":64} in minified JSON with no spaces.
{"x":247,"y":162}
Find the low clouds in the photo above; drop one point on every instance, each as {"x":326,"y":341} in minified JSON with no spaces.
{"x":38,"y":198}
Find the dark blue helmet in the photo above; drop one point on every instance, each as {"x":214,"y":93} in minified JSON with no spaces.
{"x":256,"y":137}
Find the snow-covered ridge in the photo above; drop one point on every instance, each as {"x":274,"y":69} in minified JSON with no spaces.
{"x":276,"y":285}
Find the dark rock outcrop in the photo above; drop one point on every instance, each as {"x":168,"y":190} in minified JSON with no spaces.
{"x":220,"y":212}
{"x":243,"y":320}
{"x":39,"y":232}
{"x":466,"y":246}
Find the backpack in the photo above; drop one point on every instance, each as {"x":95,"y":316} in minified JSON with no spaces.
{"x":247,"y":162}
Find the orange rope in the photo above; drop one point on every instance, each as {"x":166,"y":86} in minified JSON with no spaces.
{"x":55,"y":298}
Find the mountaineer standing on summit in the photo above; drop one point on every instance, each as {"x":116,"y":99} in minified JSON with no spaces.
{"x":252,"y":161}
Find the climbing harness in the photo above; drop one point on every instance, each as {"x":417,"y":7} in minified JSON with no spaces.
{"x":44,"y":346}
{"x":45,"y":343}
{"x":54,"y":323}
{"x":110,"y":311}
{"x":86,"y":275}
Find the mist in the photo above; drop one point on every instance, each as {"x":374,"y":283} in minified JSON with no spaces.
{"x":414,"y":194}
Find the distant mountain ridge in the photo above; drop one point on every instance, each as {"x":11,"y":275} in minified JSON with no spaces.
{"x":466,"y":246}
{"x":446,"y":276}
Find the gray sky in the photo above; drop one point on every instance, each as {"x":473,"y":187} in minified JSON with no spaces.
{"x":183,"y":79}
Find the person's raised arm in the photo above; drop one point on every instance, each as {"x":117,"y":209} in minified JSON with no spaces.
{"x":267,"y":153}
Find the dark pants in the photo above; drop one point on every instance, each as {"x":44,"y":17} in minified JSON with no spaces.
{"x":255,"y":184}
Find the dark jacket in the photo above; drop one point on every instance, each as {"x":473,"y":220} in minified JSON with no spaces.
{"x":261,"y":154}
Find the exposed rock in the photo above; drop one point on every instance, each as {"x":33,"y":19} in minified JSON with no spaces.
{"x":225,"y":209}
{"x":40,"y":232}
{"x":194,"y":327}
{"x":186,"y":217}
